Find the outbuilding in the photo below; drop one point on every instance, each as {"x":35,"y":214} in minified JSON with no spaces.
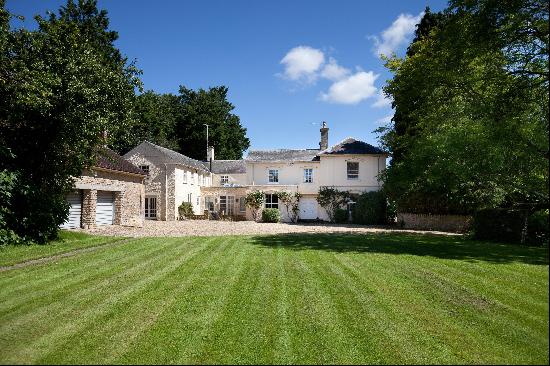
{"x":109,"y":193}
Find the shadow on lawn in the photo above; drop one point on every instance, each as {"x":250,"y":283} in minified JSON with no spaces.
{"x":412,"y":244}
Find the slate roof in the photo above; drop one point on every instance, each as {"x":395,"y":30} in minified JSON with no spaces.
{"x":227,"y":166}
{"x":353,"y":146}
{"x":178,"y":158}
{"x":108,"y":159}
{"x":283,"y":155}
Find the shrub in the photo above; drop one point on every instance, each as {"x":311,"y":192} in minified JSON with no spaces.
{"x":507,"y":225}
{"x":291,"y":201}
{"x":331,"y":199}
{"x":370,"y":209}
{"x":537,"y":228}
{"x":340,"y":216}
{"x":185,"y":209}
{"x":271,"y":215}
{"x":254,"y":201}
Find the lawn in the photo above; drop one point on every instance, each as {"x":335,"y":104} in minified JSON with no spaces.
{"x":67,"y":241}
{"x":385,"y":298}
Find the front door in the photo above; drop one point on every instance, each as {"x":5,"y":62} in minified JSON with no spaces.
{"x":150,"y":207}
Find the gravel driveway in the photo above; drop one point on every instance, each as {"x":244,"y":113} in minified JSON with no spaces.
{"x":214,"y":228}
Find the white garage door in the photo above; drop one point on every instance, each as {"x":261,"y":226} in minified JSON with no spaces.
{"x":308,"y":208}
{"x":75,"y":210}
{"x":105,"y":208}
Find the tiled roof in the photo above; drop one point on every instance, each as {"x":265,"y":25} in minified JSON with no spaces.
{"x":353,"y":146}
{"x":178,"y":158}
{"x":228,"y":166}
{"x":108,"y":159}
{"x":283,"y":155}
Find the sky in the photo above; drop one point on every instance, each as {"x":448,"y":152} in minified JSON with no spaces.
{"x":289,"y":65}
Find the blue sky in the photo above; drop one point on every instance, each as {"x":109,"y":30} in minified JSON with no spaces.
{"x":289,"y":65}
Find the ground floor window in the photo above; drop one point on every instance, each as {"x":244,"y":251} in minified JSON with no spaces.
{"x":227,"y":204}
{"x":150,"y":207}
{"x":242,"y":204}
{"x":271,"y":201}
{"x":209,"y":203}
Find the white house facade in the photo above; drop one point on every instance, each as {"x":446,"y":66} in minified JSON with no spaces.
{"x":221,"y":185}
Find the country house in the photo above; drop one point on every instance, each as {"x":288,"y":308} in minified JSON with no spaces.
{"x":221,"y":185}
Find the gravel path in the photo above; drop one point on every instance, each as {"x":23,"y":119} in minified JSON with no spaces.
{"x":215,"y":228}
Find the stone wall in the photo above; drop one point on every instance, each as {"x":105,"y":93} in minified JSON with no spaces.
{"x":452,"y":223}
{"x":129,"y":194}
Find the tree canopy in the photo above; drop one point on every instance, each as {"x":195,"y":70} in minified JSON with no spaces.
{"x":471,"y":101}
{"x":61,"y":87}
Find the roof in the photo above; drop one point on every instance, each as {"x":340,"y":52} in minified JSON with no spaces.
{"x":353,"y":146}
{"x":178,"y":158}
{"x":228,"y":166}
{"x":284,"y":155}
{"x":108,"y":159}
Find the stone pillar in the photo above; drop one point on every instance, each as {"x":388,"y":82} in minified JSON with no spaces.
{"x":89,"y":201}
{"x":119,"y":197}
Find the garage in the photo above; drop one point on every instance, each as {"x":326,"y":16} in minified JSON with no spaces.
{"x":105,"y":208}
{"x":75,"y":211}
{"x":308,"y":208}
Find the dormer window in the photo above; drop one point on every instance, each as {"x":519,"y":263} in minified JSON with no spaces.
{"x":145,"y":168}
{"x":273,"y":176}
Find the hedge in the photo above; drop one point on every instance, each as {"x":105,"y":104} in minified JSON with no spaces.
{"x":507,"y":225}
{"x":271,"y":215}
{"x":370,"y":208}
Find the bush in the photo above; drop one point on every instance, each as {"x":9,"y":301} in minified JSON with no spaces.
{"x":185,"y":209}
{"x":271,"y":215}
{"x":537,"y":228}
{"x":340,"y":216}
{"x":370,"y":209}
{"x":507,"y":225}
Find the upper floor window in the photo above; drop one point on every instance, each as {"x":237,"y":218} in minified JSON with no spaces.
{"x":145,"y":168}
{"x":271,"y":201}
{"x":308,"y":175}
{"x":224,"y":179}
{"x":192,"y":179}
{"x":353,"y":170}
{"x":184,"y":177}
{"x":273,"y":176}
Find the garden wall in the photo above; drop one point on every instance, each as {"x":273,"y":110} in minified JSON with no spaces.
{"x":453,"y":223}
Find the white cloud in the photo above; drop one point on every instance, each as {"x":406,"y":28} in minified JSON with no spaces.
{"x":302,"y":63}
{"x":384,"y":120}
{"x":351,"y":90}
{"x":381,"y":100}
{"x":397,"y":34}
{"x":333,"y":71}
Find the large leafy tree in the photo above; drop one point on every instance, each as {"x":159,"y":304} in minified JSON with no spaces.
{"x":61,"y":87}
{"x":154,"y":120}
{"x":476,"y":130}
{"x":209,"y":107}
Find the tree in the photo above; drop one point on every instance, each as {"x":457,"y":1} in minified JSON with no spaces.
{"x":291,"y":201}
{"x":209,"y":107}
{"x":255,"y":200}
{"x":477,"y":128}
{"x":154,"y":120}
{"x":332,"y":199}
{"x":59,"y":92}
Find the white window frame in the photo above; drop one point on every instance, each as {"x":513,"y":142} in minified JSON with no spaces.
{"x":308,"y":178}
{"x":352,"y":174}
{"x":273,"y":175}
{"x":270,"y":204}
{"x":224,"y":179}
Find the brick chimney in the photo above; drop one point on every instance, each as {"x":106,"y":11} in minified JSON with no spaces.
{"x":323,"y":145}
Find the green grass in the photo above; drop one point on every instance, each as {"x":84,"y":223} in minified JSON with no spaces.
{"x":384,"y":298}
{"x":67,"y":241}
